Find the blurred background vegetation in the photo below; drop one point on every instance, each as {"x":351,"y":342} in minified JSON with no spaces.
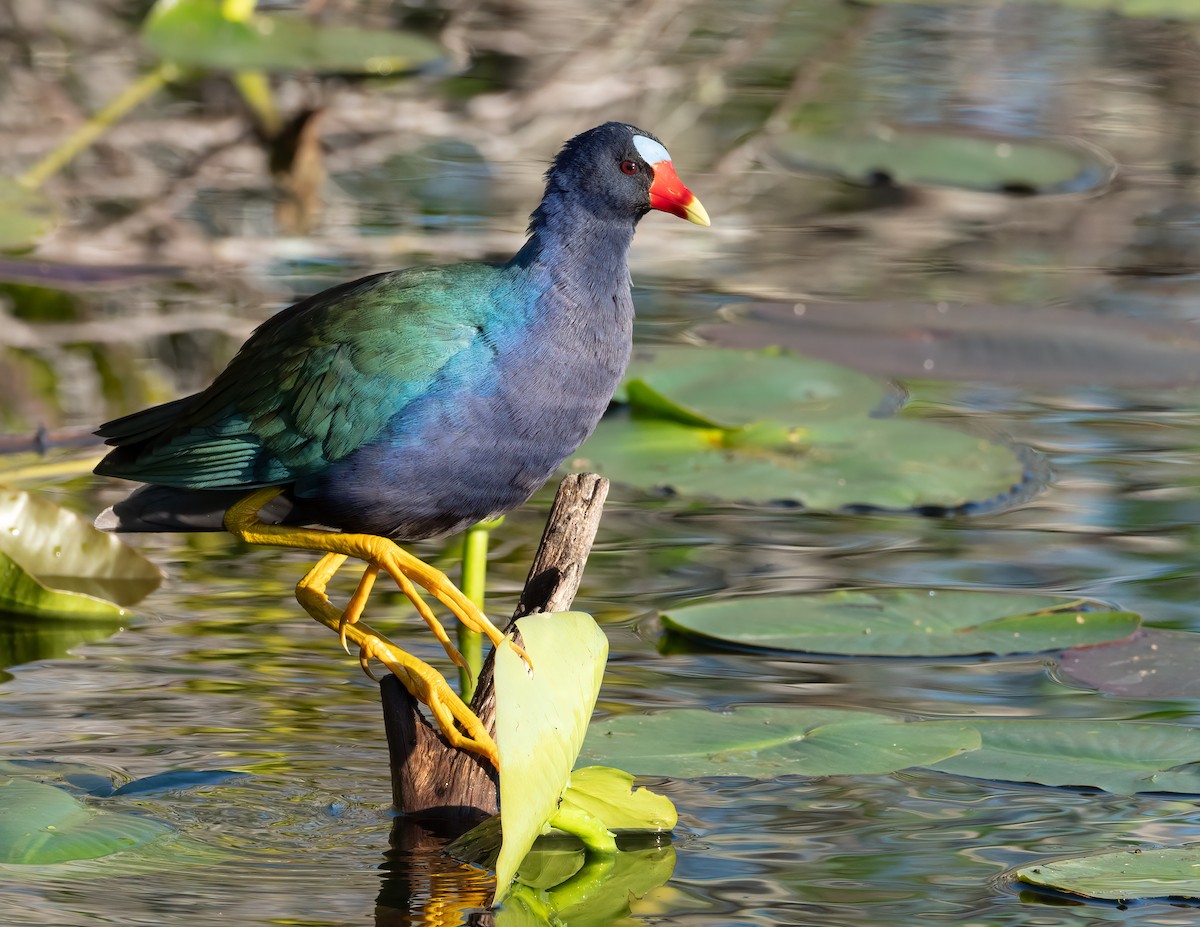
{"x":230,"y":192}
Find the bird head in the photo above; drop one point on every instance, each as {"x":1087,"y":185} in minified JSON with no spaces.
{"x":621,"y":170}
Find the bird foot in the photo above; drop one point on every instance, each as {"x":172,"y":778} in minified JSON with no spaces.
{"x":424,"y":682}
{"x":429,"y":687}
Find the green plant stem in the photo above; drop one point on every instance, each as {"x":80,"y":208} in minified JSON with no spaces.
{"x":474,"y":581}
{"x":256,"y":91}
{"x":140,"y":90}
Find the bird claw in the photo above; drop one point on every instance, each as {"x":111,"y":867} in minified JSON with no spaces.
{"x":522,"y":653}
{"x":364,"y":660}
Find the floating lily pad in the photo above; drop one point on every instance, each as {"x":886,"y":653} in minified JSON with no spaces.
{"x":1024,"y":345}
{"x":903,"y":622}
{"x":52,"y":562}
{"x":541,"y":718}
{"x":1123,"y":757}
{"x":196,"y":33}
{"x":25,"y":215}
{"x":1152,"y":663}
{"x":950,"y":158}
{"x":770,"y":740}
{"x":41,"y":824}
{"x":1158,"y":9}
{"x":707,"y":388}
{"x":1127,"y":875}
{"x":713,"y":436}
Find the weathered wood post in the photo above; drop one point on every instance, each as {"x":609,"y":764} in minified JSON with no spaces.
{"x":431,"y":778}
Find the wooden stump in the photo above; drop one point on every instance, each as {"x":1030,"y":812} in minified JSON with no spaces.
{"x":429,"y":777}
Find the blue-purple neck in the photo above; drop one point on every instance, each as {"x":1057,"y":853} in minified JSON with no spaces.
{"x":573,"y":243}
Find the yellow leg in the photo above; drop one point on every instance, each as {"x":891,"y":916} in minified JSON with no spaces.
{"x":242,"y":520}
{"x":424,"y":682}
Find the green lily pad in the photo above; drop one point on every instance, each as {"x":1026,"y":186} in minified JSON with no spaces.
{"x":541,"y":718}
{"x":52,"y":562}
{"x":903,"y":622}
{"x":1123,"y":757}
{"x":713,"y":437}
{"x":710,"y":388}
{"x":766,"y":741}
{"x":25,"y":215}
{"x":951,"y":159}
{"x":195,"y":33}
{"x":1126,"y":875}
{"x":41,"y":824}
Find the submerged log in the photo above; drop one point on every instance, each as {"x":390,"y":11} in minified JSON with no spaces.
{"x":429,"y":777}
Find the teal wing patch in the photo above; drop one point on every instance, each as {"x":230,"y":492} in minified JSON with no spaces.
{"x":311,"y":385}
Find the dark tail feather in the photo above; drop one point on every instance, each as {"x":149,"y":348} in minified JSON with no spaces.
{"x":148,"y":423}
{"x":165,"y":508}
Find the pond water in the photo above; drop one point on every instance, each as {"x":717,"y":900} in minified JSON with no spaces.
{"x":220,"y":671}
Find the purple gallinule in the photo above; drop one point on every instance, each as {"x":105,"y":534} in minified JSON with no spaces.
{"x":412,"y":404}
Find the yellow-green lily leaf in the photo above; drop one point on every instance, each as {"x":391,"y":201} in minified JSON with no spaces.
{"x":542,"y":715}
{"x":606,"y":794}
{"x":25,"y":215}
{"x":197,"y":33}
{"x":1126,"y":875}
{"x":609,"y":795}
{"x":52,"y":562}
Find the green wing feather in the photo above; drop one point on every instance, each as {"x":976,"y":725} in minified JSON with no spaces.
{"x":312,"y":384}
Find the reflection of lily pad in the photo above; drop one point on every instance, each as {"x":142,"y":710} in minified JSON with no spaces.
{"x":765,"y":741}
{"x":25,"y":215}
{"x":1123,"y":757}
{"x":1127,"y":875}
{"x":597,"y":893}
{"x":951,"y":159}
{"x":823,"y":449}
{"x":25,"y":639}
{"x":903,"y":622}
{"x":52,"y":562}
{"x":196,"y":34}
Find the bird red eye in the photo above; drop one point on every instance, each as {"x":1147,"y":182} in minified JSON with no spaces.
{"x":629,"y":167}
